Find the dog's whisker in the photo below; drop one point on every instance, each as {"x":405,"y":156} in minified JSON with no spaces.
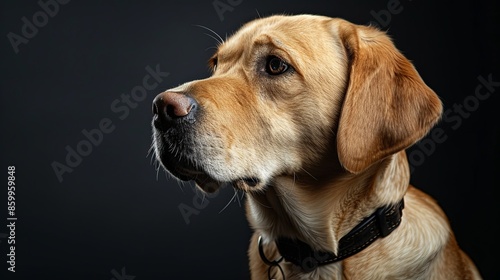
{"x":154,"y":160}
{"x":157,"y":172}
{"x":211,"y":48}
{"x":167,"y":175}
{"x":151,"y":150}
{"x":258,"y":14}
{"x":218,"y":38}
{"x":309,"y":174}
{"x":231,"y":200}
{"x":238,"y":197}
{"x":181,"y":185}
{"x":242,"y":196}
{"x":213,"y":37}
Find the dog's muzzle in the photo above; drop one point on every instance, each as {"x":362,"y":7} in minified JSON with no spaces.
{"x":177,"y":118}
{"x":174,"y":121}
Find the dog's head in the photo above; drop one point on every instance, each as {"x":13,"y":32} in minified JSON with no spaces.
{"x":284,"y":90}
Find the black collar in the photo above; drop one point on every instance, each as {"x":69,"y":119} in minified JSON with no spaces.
{"x":379,"y":224}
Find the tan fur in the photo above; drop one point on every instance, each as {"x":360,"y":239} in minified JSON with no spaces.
{"x":326,"y":141}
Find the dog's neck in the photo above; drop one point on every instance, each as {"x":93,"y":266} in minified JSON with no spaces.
{"x":321,"y":211}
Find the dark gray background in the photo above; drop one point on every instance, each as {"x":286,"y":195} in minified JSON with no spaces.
{"x":112,"y":212}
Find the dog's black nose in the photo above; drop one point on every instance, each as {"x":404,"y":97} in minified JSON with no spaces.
{"x":170,"y":106}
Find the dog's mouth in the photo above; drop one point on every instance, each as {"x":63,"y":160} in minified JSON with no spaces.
{"x":202,"y":179}
{"x":189,"y":171}
{"x":211,"y":185}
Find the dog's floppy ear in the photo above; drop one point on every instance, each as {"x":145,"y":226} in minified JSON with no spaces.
{"x":387,"y":106}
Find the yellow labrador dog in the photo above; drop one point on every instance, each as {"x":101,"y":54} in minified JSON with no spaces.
{"x":310,"y":116}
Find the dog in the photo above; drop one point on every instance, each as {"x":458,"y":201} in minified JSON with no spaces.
{"x":310,"y":116}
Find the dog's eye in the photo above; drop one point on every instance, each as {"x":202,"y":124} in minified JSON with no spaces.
{"x":214,"y":66}
{"x":276,"y":65}
{"x":212,"y":63}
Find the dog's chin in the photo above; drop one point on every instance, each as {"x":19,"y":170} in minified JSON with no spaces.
{"x":209,"y":184}
{"x":202,"y":179}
